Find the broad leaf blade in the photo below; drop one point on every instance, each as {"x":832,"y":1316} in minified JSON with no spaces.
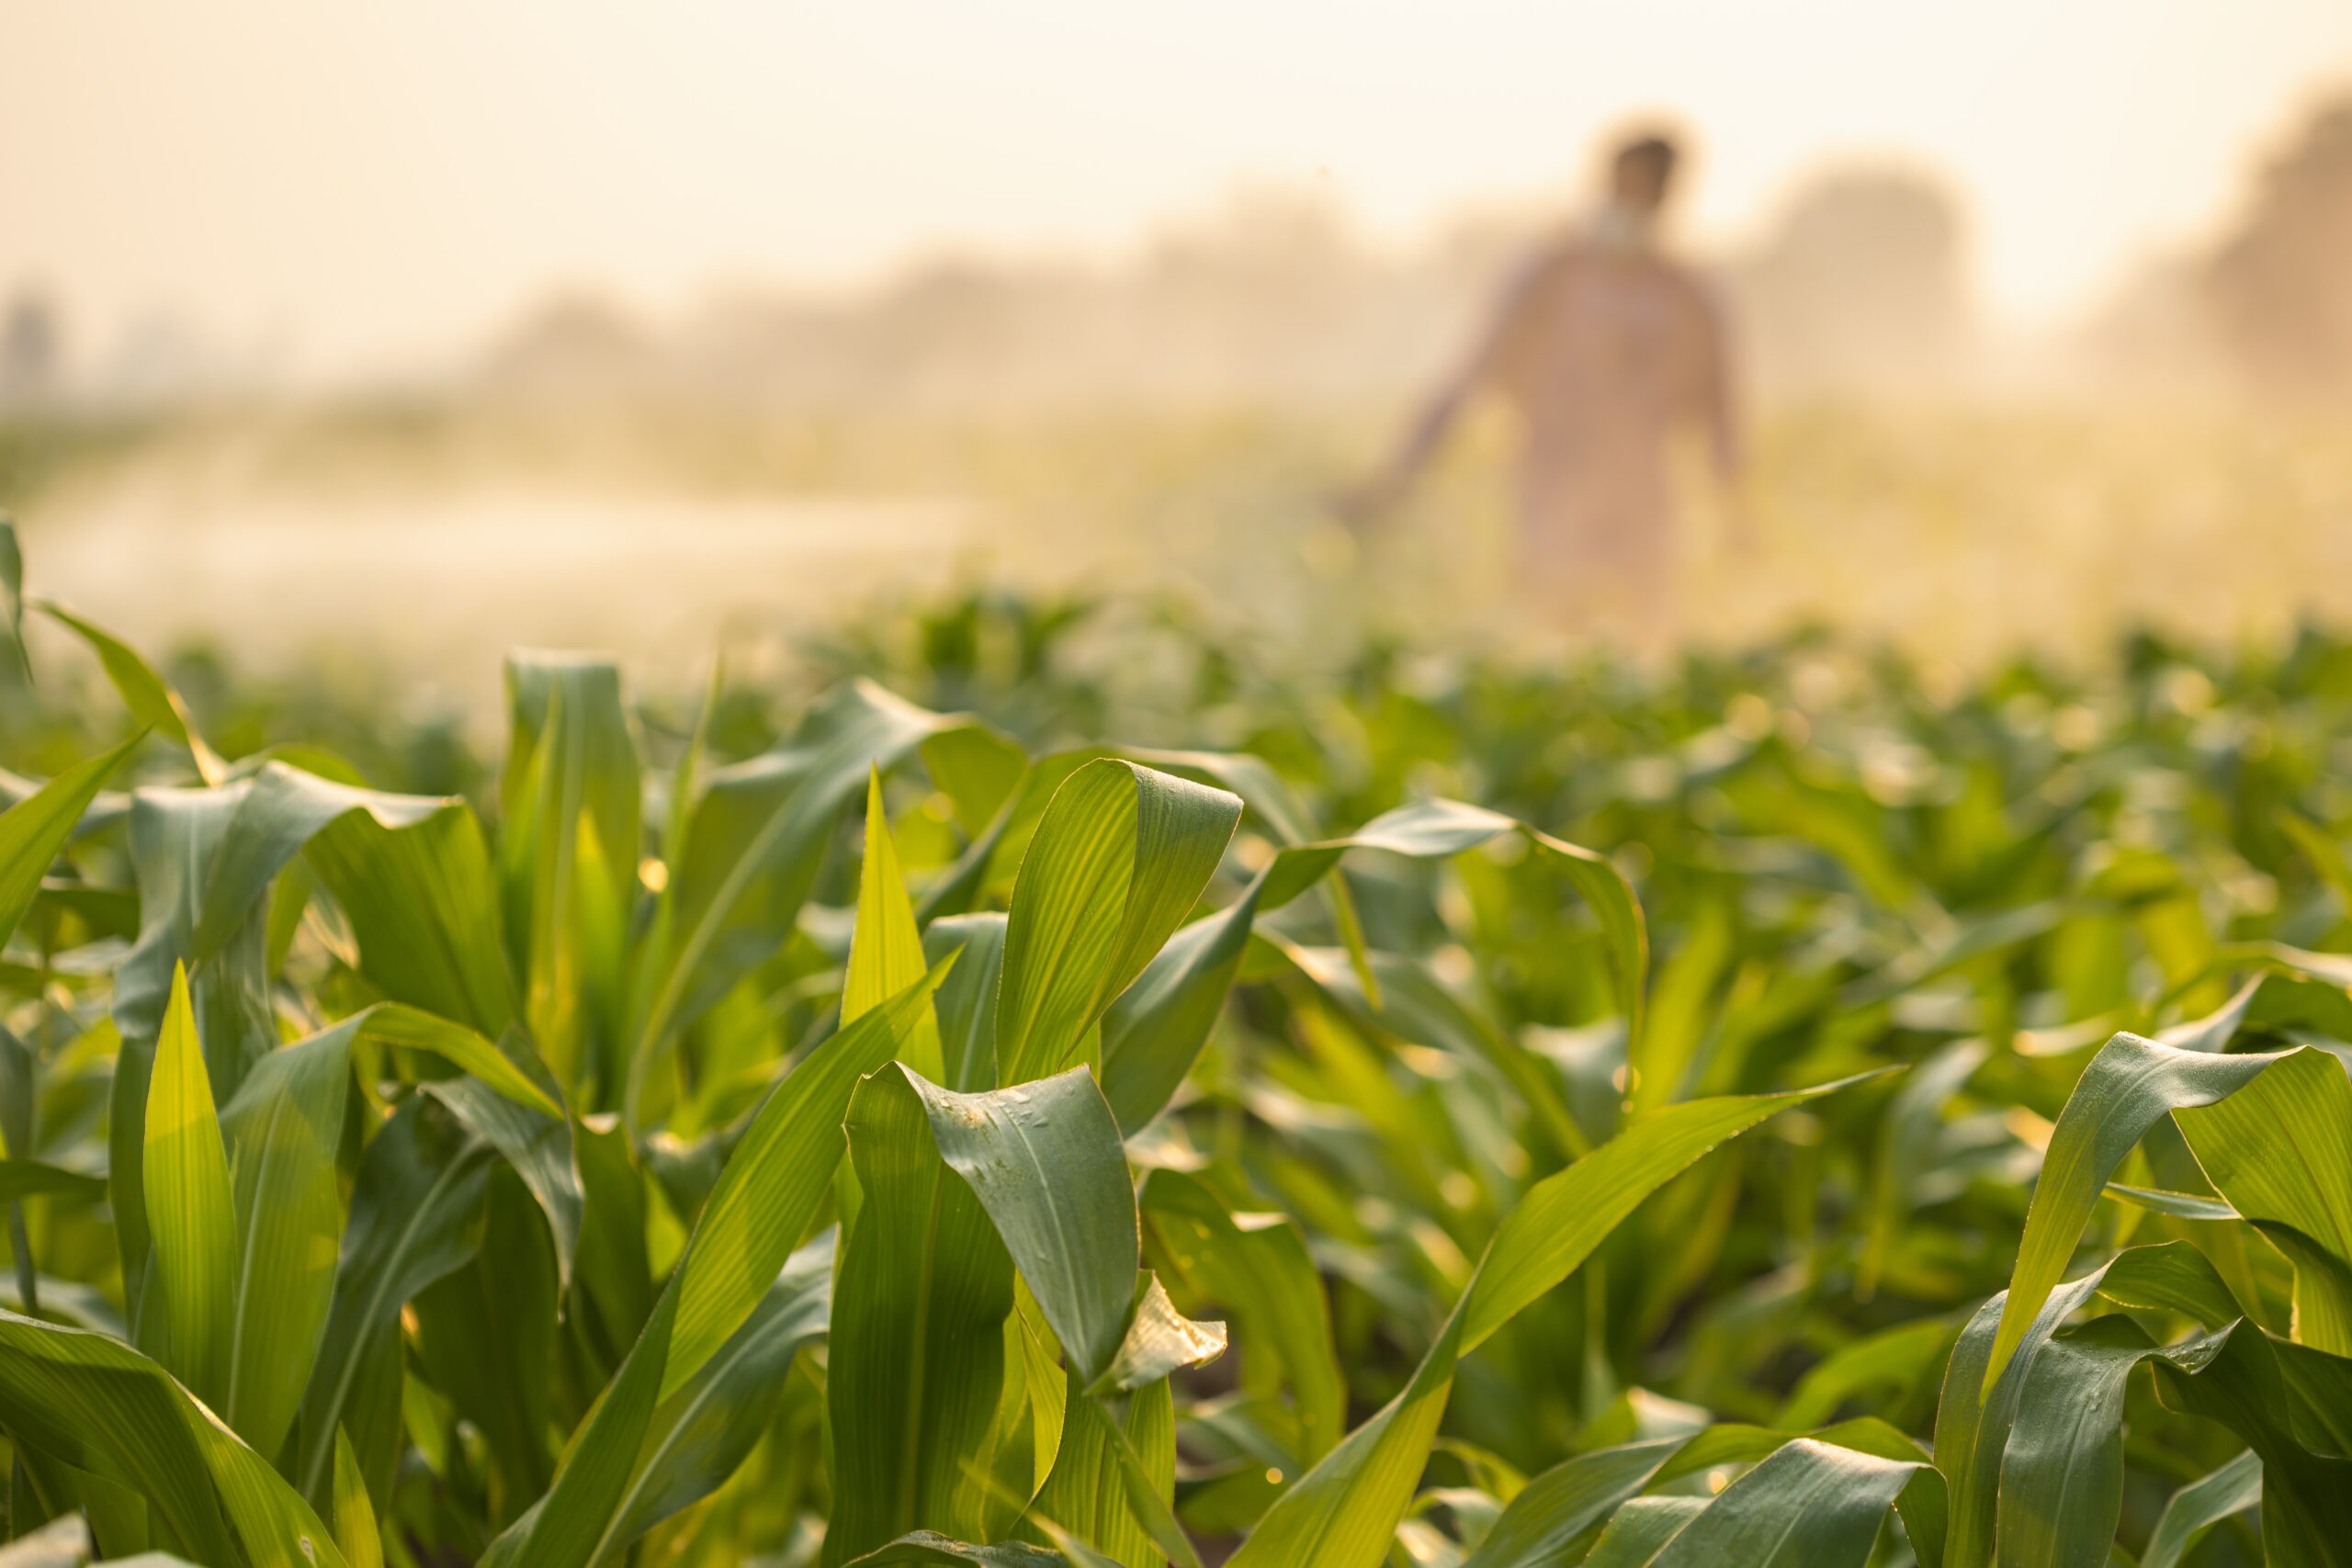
{"x":282,"y":1131}
{"x":886,"y":953}
{"x":149,"y":696}
{"x":2126,"y":1086}
{"x":1343,"y":1513}
{"x":1045,"y":1161}
{"x":2200,"y":1506}
{"x":186,"y":1173}
{"x":917,"y":1363}
{"x":1118,"y":861}
{"x":34,"y":830}
{"x":1809,"y":1505}
{"x":2280,"y":1150}
{"x":97,"y":1403}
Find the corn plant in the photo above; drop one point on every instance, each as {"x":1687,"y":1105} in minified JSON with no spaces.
{"x":911,"y":1142}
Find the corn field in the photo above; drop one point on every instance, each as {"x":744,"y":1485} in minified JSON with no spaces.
{"x":1802,"y":1108}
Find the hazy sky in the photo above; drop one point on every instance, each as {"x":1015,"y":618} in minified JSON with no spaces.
{"x":372,"y":182}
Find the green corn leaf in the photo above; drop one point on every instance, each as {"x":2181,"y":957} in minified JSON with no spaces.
{"x":34,"y":830}
{"x":994,"y":857}
{"x":1435,"y":829}
{"x":1409,"y":1002}
{"x":1641,"y":1529}
{"x":2196,"y":1507}
{"x":1275,"y":812}
{"x":22,"y":1178}
{"x":686,"y":787}
{"x":1044,"y":1386}
{"x":2128,"y":1086}
{"x":1045,"y":1161}
{"x":1905,"y":1135}
{"x":776,"y":1178}
{"x":978,"y":770}
{"x":1897,"y":1357}
{"x":2319,"y":1396}
{"x":1972,"y":1433}
{"x":1565,"y":1502}
{"x":764,"y":1201}
{"x":2248,"y":1384}
{"x":1118,"y":860}
{"x":2235,"y":1375}
{"x":539,"y":1148}
{"x":150,"y":697}
{"x":174,"y":836}
{"x":2170,"y":1276}
{"x":422,"y":902}
{"x":2213,"y":1033}
{"x":614,"y":1271}
{"x":19,"y":1175}
{"x":12,"y":591}
{"x":282,"y":1131}
{"x":2061,"y":1477}
{"x":753,"y":847}
{"x":189,"y":1199}
{"x":1153,"y":1033}
{"x":280,"y":810}
{"x":355,"y":1516}
{"x":1258,"y":1268}
{"x":1343,"y":1513}
{"x":568,"y":851}
{"x":2280,"y":1152}
{"x":886,"y":953}
{"x":1809,"y":1505}
{"x":929,"y":1547}
{"x":1972,"y":1437}
{"x":485,"y":1337}
{"x":578,"y":1520}
{"x":917,"y":1364}
{"x":416,"y":1216}
{"x":514,"y":1075}
{"x":1557,"y":1226}
{"x":1924,"y":1503}
{"x":401,"y":868}
{"x":965,"y":1006}
{"x":1087,"y":1495}
{"x":2179,"y":1206}
{"x":95,"y":1404}
{"x":700,"y":1434}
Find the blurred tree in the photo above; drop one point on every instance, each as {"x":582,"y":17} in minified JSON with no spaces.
{"x":575,"y":346}
{"x":1862,"y":286}
{"x":2281,"y":286}
{"x":31,"y":352}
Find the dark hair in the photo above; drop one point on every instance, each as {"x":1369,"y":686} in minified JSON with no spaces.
{"x":1652,"y":150}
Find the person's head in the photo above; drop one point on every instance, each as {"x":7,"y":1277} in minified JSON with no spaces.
{"x":1641,"y":172}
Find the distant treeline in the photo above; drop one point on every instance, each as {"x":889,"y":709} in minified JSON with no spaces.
{"x":1861,"y":283}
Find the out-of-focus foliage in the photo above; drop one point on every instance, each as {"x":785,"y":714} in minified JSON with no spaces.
{"x":1110,"y":1100}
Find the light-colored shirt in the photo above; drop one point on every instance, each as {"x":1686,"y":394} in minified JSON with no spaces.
{"x":1603,"y":346}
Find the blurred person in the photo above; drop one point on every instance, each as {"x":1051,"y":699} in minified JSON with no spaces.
{"x":1604,"y":345}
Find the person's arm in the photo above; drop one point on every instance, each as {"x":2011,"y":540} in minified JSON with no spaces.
{"x":1444,"y":407}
